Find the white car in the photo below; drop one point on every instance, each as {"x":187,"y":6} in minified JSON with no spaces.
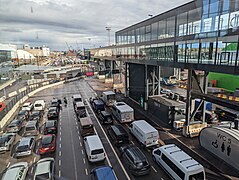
{"x":27,"y":106}
{"x":39,"y":105}
{"x":45,"y":169}
{"x":6,"y":141}
{"x":25,"y":147}
{"x":16,"y":171}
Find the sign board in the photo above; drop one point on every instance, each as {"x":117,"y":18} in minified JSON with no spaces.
{"x":222,"y":142}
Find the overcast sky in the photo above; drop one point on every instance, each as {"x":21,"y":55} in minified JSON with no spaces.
{"x":80,"y":23}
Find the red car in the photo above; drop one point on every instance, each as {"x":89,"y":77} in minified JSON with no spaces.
{"x":48,"y":144}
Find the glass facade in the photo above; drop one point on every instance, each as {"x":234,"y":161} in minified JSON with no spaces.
{"x":202,"y":31}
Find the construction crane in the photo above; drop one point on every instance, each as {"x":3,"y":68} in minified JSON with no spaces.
{"x":67,"y":46}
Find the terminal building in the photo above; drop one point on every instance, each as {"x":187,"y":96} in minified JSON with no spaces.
{"x":200,"y":35}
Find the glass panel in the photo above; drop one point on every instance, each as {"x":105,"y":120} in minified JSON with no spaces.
{"x":170,"y":27}
{"x":161,"y":51}
{"x":192,"y":52}
{"x":182,"y":24}
{"x":142,"y":34}
{"x":181,"y":52}
{"x":227,"y":50}
{"x":207,"y":55}
{"x":154,"y":31}
{"x":137,"y":34}
{"x":154,"y":51}
{"x":137,"y":52}
{"x":162,"y":29}
{"x":169,"y":51}
{"x":148,"y":33}
{"x":142,"y":53}
{"x":148,"y":52}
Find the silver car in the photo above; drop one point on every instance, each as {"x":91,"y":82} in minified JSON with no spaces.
{"x":16,"y":171}
{"x":25,"y":146}
{"x":6,"y":141}
{"x":44,"y":169}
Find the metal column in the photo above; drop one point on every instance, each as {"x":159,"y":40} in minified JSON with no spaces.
{"x":188,"y":101}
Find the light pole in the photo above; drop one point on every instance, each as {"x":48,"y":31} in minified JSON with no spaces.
{"x":108,"y":29}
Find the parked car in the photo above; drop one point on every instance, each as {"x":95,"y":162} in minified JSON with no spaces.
{"x":103,"y":173}
{"x":135,"y":160}
{"x":48,"y":144}
{"x":98,"y":105}
{"x":31,"y":129}
{"x":56,"y":103}
{"x":39,"y":105}
{"x":76,"y":98}
{"x":16,"y":171}
{"x":50,"y":127}
{"x":44,"y":169}
{"x":28,"y":106}
{"x":23,"y":115}
{"x":6,"y":141}
{"x":53,"y":113}
{"x":80,"y":110}
{"x":105,"y":117}
{"x":118,"y":135}
{"x":35,"y":116}
{"x":25,"y":146}
{"x":15,"y":126}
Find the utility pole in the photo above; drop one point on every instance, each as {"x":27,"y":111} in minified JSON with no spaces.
{"x":108,"y":29}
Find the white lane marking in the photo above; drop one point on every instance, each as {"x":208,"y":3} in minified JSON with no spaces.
{"x":60,"y":145}
{"x":32,"y":170}
{"x":79,"y":138}
{"x":78,"y":132}
{"x":126,"y":174}
{"x":132,"y":142}
{"x":59,"y":173}
{"x":59,"y":162}
{"x":60,"y":123}
{"x":34,"y":159}
{"x":60,"y":153}
{"x":77,"y":127}
{"x":76,"y":123}
{"x":60,"y":139}
{"x":86,"y":171}
{"x":60,"y":133}
{"x":8,"y":164}
{"x":84,"y":160}
{"x":60,"y":128}
{"x":154,"y":169}
{"x":38,"y":143}
{"x":82,"y":151}
{"x":80,"y":144}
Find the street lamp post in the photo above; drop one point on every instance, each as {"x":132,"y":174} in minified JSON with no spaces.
{"x":108,"y":29}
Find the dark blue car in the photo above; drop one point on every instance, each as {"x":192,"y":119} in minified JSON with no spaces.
{"x":103,"y":173}
{"x":98,"y":105}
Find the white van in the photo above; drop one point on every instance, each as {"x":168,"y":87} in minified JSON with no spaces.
{"x":39,"y":105}
{"x":146,"y":134}
{"x":123,"y":112}
{"x":178,"y":164}
{"x":94,"y":148}
{"x":109,"y":98}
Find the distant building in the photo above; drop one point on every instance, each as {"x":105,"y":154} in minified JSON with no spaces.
{"x":25,"y":57}
{"x":8,"y":52}
{"x":39,"y":52}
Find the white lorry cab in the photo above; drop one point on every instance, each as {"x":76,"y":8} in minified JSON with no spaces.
{"x":146,"y":134}
{"x":39,"y":105}
{"x":178,"y":164}
{"x":94,"y":148}
{"x":108,"y":97}
{"x":123,"y":112}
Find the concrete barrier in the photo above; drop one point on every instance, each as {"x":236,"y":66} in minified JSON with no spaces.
{"x":16,"y":106}
{"x":11,"y":94}
{"x":7,"y":84}
{"x":22,"y":89}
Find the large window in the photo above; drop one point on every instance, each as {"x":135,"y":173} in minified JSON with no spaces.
{"x":182,"y":24}
{"x":170,"y":27}
{"x":154,"y":31}
{"x":162,"y":29}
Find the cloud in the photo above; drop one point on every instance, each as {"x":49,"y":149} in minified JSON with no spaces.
{"x":55,"y":22}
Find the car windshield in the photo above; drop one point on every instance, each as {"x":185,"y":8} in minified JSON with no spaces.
{"x":77,"y":99}
{"x":198,"y":176}
{"x":22,"y":148}
{"x":35,"y":113}
{"x":21,"y":113}
{"x":49,"y":124}
{"x":38,"y":105}
{"x":97,"y":151}
{"x":47,"y":140}
{"x":3,"y":139}
{"x":31,"y":128}
{"x":42,"y":176}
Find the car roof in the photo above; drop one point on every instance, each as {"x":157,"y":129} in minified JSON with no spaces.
{"x":76,"y":96}
{"x":14,"y":171}
{"x":79,"y":104}
{"x":104,"y":173}
{"x":94,"y":142}
{"x":119,"y":130}
{"x":52,"y":108}
{"x":136,"y":153}
{"x":105,"y":113}
{"x":43,"y":166}
{"x":31,"y":123}
{"x":54,"y":100}
{"x":27,"y":103}
{"x":25,"y":141}
{"x":98,"y":101}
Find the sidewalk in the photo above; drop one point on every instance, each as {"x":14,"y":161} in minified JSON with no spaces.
{"x":213,"y":164}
